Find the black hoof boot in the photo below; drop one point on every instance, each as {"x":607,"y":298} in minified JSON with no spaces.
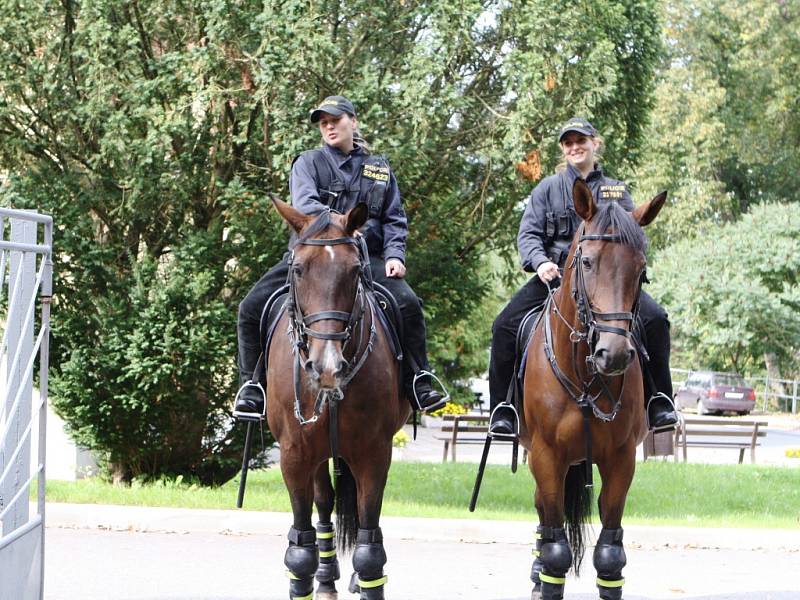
{"x":609,"y":559}
{"x":536,"y":567}
{"x":368,"y":560}
{"x":661,"y":415}
{"x":556,"y":559}
{"x":301,"y":562}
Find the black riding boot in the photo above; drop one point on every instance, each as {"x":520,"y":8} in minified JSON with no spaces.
{"x":661,"y":413}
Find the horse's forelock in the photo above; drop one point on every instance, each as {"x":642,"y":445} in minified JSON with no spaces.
{"x":317,"y":226}
{"x":612,"y":218}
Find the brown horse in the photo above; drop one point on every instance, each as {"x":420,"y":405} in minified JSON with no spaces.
{"x":583,"y":394}
{"x":334,"y":390}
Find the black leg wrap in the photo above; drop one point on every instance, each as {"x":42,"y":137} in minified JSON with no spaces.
{"x":328,"y":570}
{"x":556,"y":558}
{"x":302,"y":561}
{"x":368,"y":560}
{"x":609,"y":559}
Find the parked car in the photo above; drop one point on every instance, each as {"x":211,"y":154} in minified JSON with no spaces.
{"x":711,"y":392}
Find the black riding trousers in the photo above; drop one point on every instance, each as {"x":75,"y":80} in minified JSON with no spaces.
{"x":250,"y":308}
{"x":653,"y":318}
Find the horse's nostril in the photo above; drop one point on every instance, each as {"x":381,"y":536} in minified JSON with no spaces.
{"x":311,"y":369}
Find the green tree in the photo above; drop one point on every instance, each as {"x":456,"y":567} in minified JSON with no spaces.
{"x":733,"y":297}
{"x":154,"y":132}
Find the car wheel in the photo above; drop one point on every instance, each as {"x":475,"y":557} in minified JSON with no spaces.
{"x":742,"y":413}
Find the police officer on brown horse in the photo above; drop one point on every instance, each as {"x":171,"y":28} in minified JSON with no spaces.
{"x":338,"y":176}
{"x":545,"y":234}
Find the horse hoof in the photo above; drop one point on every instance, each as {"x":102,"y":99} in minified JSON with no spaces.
{"x":536,"y":595}
{"x":326,"y":596}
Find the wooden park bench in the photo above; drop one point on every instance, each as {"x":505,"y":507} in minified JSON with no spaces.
{"x":721,"y":432}
{"x":465,"y":429}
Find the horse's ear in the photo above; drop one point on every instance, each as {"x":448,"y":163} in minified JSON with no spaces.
{"x":292,"y":216}
{"x":583,"y":200}
{"x":356,"y":217}
{"x":645,"y":213}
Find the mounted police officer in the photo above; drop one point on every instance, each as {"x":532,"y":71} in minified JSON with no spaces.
{"x":545,"y":235}
{"x":338,"y":176}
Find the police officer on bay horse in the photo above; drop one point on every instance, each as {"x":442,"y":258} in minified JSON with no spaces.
{"x":336,"y":177}
{"x":545,"y":234}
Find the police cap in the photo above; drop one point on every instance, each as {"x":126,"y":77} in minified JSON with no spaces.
{"x":333,"y":105}
{"x":577,"y":124}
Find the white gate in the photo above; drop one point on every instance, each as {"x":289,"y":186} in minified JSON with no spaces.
{"x":26,"y":240}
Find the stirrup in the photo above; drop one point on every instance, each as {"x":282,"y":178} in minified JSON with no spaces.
{"x":508,"y":436}
{"x":422,"y":373}
{"x":251,"y":416}
{"x":647,"y":414}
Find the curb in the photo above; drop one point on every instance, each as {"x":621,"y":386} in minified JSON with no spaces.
{"x":238,"y":522}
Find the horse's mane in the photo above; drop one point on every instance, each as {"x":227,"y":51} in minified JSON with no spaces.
{"x":612,"y":218}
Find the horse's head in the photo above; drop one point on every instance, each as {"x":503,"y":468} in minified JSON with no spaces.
{"x":608,"y":270}
{"x":325,"y":278}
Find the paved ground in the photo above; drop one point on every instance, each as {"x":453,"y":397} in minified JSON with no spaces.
{"x":119,"y":553}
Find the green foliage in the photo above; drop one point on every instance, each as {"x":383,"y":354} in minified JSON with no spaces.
{"x":154,"y":132}
{"x":725,"y":128}
{"x":733,"y":295}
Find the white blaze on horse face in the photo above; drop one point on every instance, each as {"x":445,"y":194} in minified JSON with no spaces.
{"x":329,"y":250}
{"x":330,"y":357}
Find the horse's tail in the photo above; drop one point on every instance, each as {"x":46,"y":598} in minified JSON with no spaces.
{"x":577,"y":510}
{"x":346,"y":509}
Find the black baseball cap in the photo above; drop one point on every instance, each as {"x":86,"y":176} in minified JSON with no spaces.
{"x":333,"y":105}
{"x":577,"y":124}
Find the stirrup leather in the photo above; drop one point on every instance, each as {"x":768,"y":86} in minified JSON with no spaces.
{"x":251,"y":416}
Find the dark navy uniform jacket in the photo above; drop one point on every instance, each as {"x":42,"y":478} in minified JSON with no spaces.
{"x":387,"y":228}
{"x":550,"y":221}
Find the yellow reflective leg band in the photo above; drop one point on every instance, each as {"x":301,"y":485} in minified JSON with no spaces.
{"x":610,"y":584}
{"x":549,"y":579}
{"x":327,"y":553}
{"x":537,"y":536}
{"x":325,"y":535}
{"x":373,"y":584}
{"x":535,"y":552}
{"x":309,"y":597}
{"x":291,"y":575}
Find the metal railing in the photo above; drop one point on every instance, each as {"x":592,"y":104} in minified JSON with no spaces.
{"x":782,"y":394}
{"x":26,"y":240}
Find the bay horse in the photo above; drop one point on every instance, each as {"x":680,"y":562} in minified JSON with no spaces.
{"x":583,"y":394}
{"x":333,"y":391}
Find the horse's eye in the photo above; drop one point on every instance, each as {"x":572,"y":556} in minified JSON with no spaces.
{"x":297,"y":270}
{"x":586,"y":264}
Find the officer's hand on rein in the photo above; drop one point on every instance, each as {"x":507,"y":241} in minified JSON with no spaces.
{"x":395,"y":268}
{"x":547,"y":271}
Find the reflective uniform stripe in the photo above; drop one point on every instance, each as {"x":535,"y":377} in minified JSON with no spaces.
{"x":327,"y":553}
{"x":610,"y":584}
{"x":373,"y":584}
{"x":550,"y":579}
{"x":325,"y":535}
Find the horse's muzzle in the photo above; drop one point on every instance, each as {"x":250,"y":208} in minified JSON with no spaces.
{"x":613,"y":359}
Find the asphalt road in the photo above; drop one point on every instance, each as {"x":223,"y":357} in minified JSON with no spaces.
{"x":96,"y":552}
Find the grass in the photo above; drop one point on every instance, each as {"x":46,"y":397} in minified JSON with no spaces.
{"x":663,"y":493}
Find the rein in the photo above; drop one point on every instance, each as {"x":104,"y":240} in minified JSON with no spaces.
{"x":300,"y":331}
{"x":587,"y":333}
